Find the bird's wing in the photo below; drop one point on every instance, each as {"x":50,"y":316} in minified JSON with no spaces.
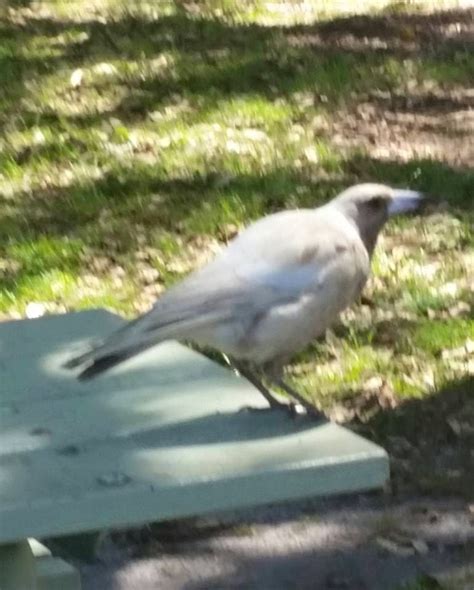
{"x":274,"y":261}
{"x":292,"y":250}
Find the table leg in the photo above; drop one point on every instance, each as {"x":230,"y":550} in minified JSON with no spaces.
{"x":17,"y":567}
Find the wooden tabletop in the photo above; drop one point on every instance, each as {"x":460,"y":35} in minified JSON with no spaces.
{"x":159,"y":437}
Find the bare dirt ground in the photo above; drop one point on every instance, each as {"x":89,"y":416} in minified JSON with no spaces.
{"x":355,"y":543}
{"x":364,"y":542}
{"x":420,"y":537}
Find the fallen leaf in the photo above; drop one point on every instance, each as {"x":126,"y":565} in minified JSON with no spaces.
{"x":38,"y":137}
{"x":254,"y":134}
{"x":400,"y":445}
{"x":118,"y":271}
{"x":114,"y":122}
{"x":341,"y":414}
{"x":373,"y":384}
{"x":76,"y":78}
{"x":395,"y":547}
{"x":449,"y":289}
{"x":105,"y":69}
{"x":461,"y":308}
{"x":460,"y":427}
{"x":164,"y":142}
{"x":311,"y":154}
{"x":460,"y":352}
{"x":455,"y":426}
{"x":429,"y":378}
{"x":233,"y":146}
{"x":35,"y":310}
{"x":420,"y":546}
{"x":148,"y":275}
{"x":386,"y":396}
{"x":304,"y":99}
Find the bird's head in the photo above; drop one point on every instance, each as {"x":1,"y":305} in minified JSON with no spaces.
{"x":370,"y":205}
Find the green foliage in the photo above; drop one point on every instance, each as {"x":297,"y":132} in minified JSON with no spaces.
{"x":137,"y":142}
{"x":423,"y":583}
{"x":434,"y":337}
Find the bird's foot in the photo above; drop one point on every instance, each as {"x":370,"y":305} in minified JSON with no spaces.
{"x":299,"y":401}
{"x":312,"y":411}
{"x":306,"y":409}
{"x":291,"y":408}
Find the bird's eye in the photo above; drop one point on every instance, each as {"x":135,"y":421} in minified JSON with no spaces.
{"x":376,"y":202}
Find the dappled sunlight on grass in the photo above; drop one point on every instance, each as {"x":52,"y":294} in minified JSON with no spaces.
{"x":246,"y":11}
{"x":136,"y":140}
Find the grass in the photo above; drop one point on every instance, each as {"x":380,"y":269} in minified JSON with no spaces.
{"x":138,"y":141}
{"x":423,"y":583}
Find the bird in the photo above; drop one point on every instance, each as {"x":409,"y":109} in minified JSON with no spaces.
{"x":278,"y":285}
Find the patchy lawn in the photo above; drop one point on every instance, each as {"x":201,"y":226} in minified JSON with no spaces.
{"x":136,"y":142}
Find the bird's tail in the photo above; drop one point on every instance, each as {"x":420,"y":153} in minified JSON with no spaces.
{"x":124,"y":343}
{"x":96,"y":362}
{"x":184,"y":313}
{"x":139,"y":335}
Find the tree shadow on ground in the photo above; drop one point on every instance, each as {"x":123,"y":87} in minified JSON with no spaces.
{"x":215,"y":59}
{"x":442,"y":182}
{"x":430,"y":440}
{"x":338,"y":62}
{"x":358,"y":568}
{"x":430,"y":444}
{"x":155,"y":205}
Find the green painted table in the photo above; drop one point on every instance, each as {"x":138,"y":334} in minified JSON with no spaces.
{"x":159,"y":437}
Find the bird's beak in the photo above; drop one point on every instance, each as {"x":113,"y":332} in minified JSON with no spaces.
{"x":404,"y":201}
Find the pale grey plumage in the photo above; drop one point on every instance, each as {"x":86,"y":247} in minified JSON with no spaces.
{"x":276,"y":287}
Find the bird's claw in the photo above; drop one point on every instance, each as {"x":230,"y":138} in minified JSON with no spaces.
{"x":307,"y":410}
{"x":294,"y":410}
{"x":289,"y":408}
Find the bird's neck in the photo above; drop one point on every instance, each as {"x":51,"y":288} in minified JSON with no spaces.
{"x":368,"y":235}
{"x":368,"y":228}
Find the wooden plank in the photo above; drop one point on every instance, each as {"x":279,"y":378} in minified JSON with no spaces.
{"x":32,"y":353}
{"x":159,"y":437}
{"x":143,"y":486}
{"x":56,"y":574}
{"x":27,"y":337}
{"x":182,"y":386}
{"x":29,"y":565}
{"x":17,"y":567}
{"x":83,"y":546}
{"x":53,"y":573}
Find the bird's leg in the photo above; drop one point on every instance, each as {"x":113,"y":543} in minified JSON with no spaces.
{"x":245,"y":371}
{"x":274,"y":376}
{"x":308,"y":406}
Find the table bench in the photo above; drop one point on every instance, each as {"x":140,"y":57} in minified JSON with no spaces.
{"x":158,"y":437}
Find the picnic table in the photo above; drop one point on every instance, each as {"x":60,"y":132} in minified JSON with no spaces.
{"x":159,"y":437}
